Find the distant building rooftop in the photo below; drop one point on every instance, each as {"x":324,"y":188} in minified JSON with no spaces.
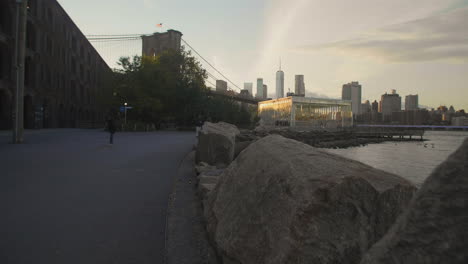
{"x":168,"y":31}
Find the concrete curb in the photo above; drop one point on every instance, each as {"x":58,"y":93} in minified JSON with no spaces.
{"x":186,"y":237}
{"x":169,"y":204}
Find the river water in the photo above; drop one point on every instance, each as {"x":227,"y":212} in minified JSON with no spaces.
{"x":411,"y":160}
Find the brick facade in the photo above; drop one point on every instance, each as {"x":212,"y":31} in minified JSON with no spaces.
{"x":63,"y":71}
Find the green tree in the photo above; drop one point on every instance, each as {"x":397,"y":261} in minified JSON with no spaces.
{"x":170,"y":86}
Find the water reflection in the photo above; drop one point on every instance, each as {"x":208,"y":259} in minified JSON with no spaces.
{"x":412,"y":160}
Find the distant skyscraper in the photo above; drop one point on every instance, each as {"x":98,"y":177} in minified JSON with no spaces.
{"x":366,"y":107}
{"x":375,"y":106}
{"x":352,"y":91}
{"x":411,"y":102}
{"x":259,"y":88}
{"x":390,"y":103}
{"x":265,"y":91}
{"x":279,"y":83}
{"x":249,"y":87}
{"x":221,"y":86}
{"x":299,"y":85}
{"x":451,"y":110}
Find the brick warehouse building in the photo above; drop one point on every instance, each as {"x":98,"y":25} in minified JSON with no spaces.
{"x":63,"y":71}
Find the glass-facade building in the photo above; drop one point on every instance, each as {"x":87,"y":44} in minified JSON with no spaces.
{"x":306,"y":113}
{"x":279,"y":84}
{"x":299,"y":85}
{"x":260,"y":88}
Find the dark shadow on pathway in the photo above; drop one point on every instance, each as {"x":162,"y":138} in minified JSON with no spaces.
{"x":66,"y":196}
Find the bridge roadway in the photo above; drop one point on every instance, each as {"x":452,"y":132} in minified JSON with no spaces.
{"x":66,"y":196}
{"x":236,"y":97}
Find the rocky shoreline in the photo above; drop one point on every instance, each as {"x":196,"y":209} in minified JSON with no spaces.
{"x":318,"y":138}
{"x":274,"y":197}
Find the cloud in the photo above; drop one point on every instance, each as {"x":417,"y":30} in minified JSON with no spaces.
{"x":437,"y":37}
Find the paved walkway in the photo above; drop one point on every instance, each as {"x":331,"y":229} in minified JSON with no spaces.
{"x":66,"y":196}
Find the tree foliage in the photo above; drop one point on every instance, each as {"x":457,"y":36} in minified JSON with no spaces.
{"x":169,"y":87}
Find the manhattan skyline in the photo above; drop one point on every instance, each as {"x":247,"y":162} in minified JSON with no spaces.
{"x":416,"y":47}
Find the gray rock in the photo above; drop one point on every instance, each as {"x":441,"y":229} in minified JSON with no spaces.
{"x":434,"y":228}
{"x":261,"y":130}
{"x":213,"y":172}
{"x":204,"y":189}
{"x":207,"y":179}
{"x":203,"y":167}
{"x":222,"y":125}
{"x":240,"y":146}
{"x":246,"y":135}
{"x":216,"y":142}
{"x":282,"y":201}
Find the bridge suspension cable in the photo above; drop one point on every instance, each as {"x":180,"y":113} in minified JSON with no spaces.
{"x":214,"y":78}
{"x":114,"y":46}
{"x":210,"y":64}
{"x":113,"y":38}
{"x":121,"y":39}
{"x":114,"y":35}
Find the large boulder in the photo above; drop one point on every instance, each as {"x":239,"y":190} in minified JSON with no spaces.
{"x":246,"y":135}
{"x":240,"y":146}
{"x":203,"y":167}
{"x":282,"y":201}
{"x":261,"y":130}
{"x":207,"y":180}
{"x":434,"y":229}
{"x":216,"y":143}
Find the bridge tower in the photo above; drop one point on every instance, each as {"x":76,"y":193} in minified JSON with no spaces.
{"x":159,"y":42}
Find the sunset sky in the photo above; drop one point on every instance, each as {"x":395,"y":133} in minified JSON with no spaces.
{"x":416,"y":47}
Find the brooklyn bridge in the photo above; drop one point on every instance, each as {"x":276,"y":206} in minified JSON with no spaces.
{"x":64,"y":71}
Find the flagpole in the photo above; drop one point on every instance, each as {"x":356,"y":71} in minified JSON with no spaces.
{"x":160,"y":25}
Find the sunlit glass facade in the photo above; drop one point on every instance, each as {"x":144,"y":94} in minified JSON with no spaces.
{"x":306,"y":113}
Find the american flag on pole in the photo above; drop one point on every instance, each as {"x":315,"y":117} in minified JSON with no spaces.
{"x":159,"y":25}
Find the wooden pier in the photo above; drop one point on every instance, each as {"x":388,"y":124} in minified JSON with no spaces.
{"x":390,"y":133}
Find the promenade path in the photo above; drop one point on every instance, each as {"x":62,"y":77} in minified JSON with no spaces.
{"x":66,"y":196}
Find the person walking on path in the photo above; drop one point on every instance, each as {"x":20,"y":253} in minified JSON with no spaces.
{"x":111,"y":128}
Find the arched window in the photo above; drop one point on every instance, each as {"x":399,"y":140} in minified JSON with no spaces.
{"x":30,"y":36}
{"x":5,"y":63}
{"x":6,"y":24}
{"x":5,"y":113}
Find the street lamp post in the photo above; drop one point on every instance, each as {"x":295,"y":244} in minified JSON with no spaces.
{"x":20,"y":50}
{"x":125,"y":110}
